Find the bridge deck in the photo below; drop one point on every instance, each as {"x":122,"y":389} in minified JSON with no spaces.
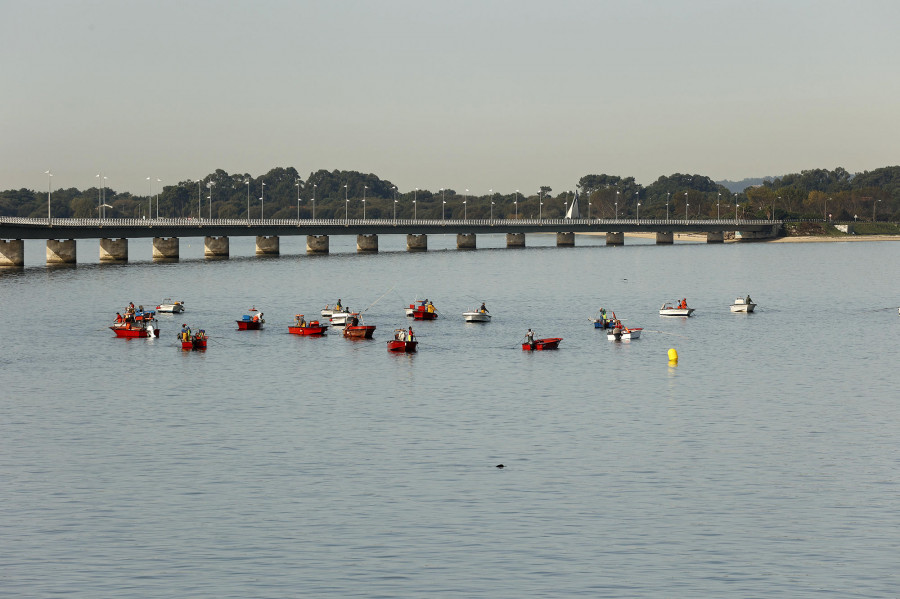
{"x":94,"y":228}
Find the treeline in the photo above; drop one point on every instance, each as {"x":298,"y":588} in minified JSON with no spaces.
{"x":282,"y":193}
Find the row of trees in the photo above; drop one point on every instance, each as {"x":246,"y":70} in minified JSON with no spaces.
{"x":282,"y":193}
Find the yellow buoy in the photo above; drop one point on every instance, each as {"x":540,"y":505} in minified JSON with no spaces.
{"x":673,"y":355}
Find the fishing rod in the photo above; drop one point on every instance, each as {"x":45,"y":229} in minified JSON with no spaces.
{"x":379,"y":299}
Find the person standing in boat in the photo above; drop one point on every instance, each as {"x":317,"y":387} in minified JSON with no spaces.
{"x":302,"y":321}
{"x":338,"y":307}
{"x":529,"y":338}
{"x":748,"y":300}
{"x":410,"y":336}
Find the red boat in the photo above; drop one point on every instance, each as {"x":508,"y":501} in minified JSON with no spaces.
{"x":422,"y":311}
{"x":134,"y":330}
{"x":359,"y":331}
{"x":310,"y":328}
{"x":251,"y":322}
{"x":196,"y":341}
{"x":539,"y":344}
{"x":402,"y":342}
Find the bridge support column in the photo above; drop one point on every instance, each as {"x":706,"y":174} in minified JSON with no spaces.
{"x":268,"y":246}
{"x":317,"y":244}
{"x":757,"y":235}
{"x":367,"y":243}
{"x":515,"y":240}
{"x":416,"y":243}
{"x":715,"y":237}
{"x":465,"y":241}
{"x":615,"y":239}
{"x":216,"y":247}
{"x":165,"y":248}
{"x":60,"y":251}
{"x":565,"y":239}
{"x":113,"y":250}
{"x":12,"y":252}
{"x":665,"y":238}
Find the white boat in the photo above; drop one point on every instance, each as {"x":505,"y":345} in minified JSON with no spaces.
{"x":623,"y":334}
{"x":170,"y":307}
{"x":670,"y":310}
{"x":477,"y":316}
{"x":340,"y":319}
{"x":742,"y":304}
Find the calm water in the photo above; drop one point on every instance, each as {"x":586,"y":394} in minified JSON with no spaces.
{"x":765,"y":464}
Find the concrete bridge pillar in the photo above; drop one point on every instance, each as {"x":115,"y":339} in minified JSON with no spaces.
{"x":416,"y":243}
{"x":12,"y":252}
{"x":317,"y":244}
{"x":665,"y":238}
{"x":60,"y":251}
{"x":113,"y":250}
{"x":465,"y":241}
{"x":615,"y":239}
{"x":367,"y":243}
{"x":216,"y":247}
{"x":715,"y":237}
{"x":268,"y":246}
{"x":165,"y":248}
{"x":565,"y":240}
{"x":756,"y":235}
{"x":515,"y":240}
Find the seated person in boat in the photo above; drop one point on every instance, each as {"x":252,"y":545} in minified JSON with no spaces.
{"x":483,"y":309}
{"x":430,"y":307}
{"x":683,"y":304}
{"x":185,"y":333}
{"x":354,"y":321}
{"x":119,"y":319}
{"x":257,"y":317}
{"x":299,"y":320}
{"x":400,"y":335}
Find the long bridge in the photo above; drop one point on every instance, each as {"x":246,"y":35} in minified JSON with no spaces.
{"x":114,"y":233}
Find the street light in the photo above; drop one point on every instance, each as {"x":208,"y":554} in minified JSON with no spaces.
{"x":158,"y":180}
{"x":465,"y":201}
{"x":395,"y":210}
{"x":415,"y":197}
{"x":314,"y":200}
{"x":735,"y":207}
{"x":826,"y":209}
{"x":637,"y":197}
{"x":540,"y":210}
{"x":686,"y":206}
{"x":262,"y":202}
{"x":617,"y":207}
{"x":517,"y":204}
{"x":49,"y":174}
{"x":491,"y":198}
{"x":773,"y":208}
{"x":200,"y":202}
{"x":365,"y":187}
{"x":297,"y":185}
{"x":667,"y":205}
{"x":247,"y":183}
{"x":639,"y":211}
{"x":443,"y":203}
{"x":346,"y":205}
{"x":875,"y":203}
{"x":150,"y":199}
{"x":718,"y":200}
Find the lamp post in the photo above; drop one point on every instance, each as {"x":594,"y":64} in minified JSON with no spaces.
{"x":491,"y":198}
{"x":262,"y":202}
{"x":685,"y":205}
{"x":200,"y":203}
{"x":158,"y":188}
{"x":735,"y":207}
{"x":617,"y":207}
{"x":150,"y":199}
{"x":247,"y":183}
{"x":637,"y":198}
{"x":465,"y":202}
{"x":49,"y":175}
{"x":825,"y":216}
{"x":639,"y":211}
{"x":209,"y":203}
{"x":667,"y":205}
{"x":395,"y":203}
{"x":540,"y":210}
{"x":314,"y":200}
{"x":517,"y":204}
{"x":415,"y":206}
{"x":718,"y":200}
{"x":589,"y":210}
{"x":365,"y":187}
{"x":773,"y":208}
{"x":297,"y":185}
{"x":874,"y":203}
{"x":443,"y":203}
{"x":346,"y":204}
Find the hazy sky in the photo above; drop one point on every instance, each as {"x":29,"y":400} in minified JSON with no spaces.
{"x":463,"y":94}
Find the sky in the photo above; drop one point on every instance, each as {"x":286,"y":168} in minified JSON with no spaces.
{"x":468,"y":94}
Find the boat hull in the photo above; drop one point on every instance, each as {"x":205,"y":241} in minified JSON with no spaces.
{"x":133,"y":332}
{"x":676,"y":311}
{"x":249,"y":325}
{"x":176,"y":308}
{"x":476,"y":316}
{"x":542,"y":344}
{"x":193,"y":344}
{"x":424,"y":315}
{"x":624,"y":335}
{"x":745,"y":308}
{"x":395,"y":345}
{"x":602,"y":324}
{"x":359,"y":331}
{"x":308,"y":330}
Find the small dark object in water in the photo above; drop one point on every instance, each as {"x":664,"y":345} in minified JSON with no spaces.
{"x":500,"y":466}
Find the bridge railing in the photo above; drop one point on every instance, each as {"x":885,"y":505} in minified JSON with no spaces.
{"x":550,"y":223}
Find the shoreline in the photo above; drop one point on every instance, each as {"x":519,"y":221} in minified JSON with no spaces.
{"x":701,"y":237}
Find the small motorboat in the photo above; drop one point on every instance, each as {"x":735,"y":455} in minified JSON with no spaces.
{"x":623,"y":334}
{"x":541,"y":344}
{"x":313,"y":327}
{"x":339,"y":319}
{"x":423,"y":310}
{"x":677,"y":310}
{"x":169,"y":307}
{"x":743,"y":304}
{"x":602,"y":321}
{"x":135,"y":329}
{"x":358,"y":331}
{"x":416,"y":305}
{"x":251,"y":322}
{"x":479,"y":315}
{"x":402,"y":342}
{"x":195,"y":341}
